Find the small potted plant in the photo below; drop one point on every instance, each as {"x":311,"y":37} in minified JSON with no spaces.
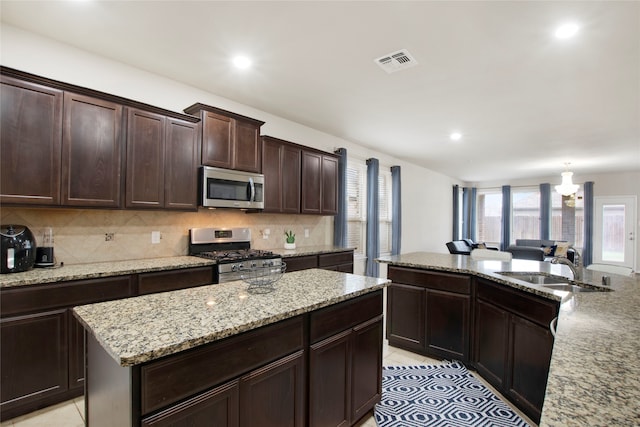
{"x":290,"y":241}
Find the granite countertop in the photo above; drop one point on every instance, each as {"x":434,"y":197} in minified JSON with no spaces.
{"x":594,"y":377}
{"x":99,"y":269}
{"x":144,"y":328}
{"x":309,"y":250}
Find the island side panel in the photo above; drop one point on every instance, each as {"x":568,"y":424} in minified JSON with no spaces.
{"x":109,"y":389}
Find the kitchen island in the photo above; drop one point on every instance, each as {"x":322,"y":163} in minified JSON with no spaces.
{"x":594,"y":370}
{"x":221,"y":352}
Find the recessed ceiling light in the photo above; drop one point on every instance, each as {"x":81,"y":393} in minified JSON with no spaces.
{"x":567,"y":30}
{"x":241,"y":62}
{"x":455,"y":136}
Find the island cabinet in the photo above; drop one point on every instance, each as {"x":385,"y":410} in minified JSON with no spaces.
{"x":429,"y":312}
{"x":319,"y":183}
{"x":336,"y":261}
{"x":253,"y":379}
{"x":344,"y":362}
{"x":513,"y":343}
{"x":229,"y":140}
{"x":42,"y":344}
{"x":281,"y":169}
{"x":319,"y":368}
{"x":162,"y":162}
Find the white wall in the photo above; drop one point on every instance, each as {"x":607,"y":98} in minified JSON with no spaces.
{"x":426,"y":198}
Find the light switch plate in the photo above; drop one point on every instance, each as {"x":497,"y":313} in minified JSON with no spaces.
{"x":155,"y":237}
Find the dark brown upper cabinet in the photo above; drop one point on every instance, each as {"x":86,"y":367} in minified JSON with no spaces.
{"x":281,"y":170}
{"x":65,"y":145}
{"x":319,"y":183}
{"x":30,"y":142}
{"x":229,"y":140}
{"x":161,"y":162}
{"x":91,"y":152}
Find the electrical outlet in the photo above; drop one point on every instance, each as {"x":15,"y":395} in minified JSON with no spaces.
{"x":306,"y":232}
{"x":265,"y":233}
{"x":108,"y":237}
{"x":155,"y":237}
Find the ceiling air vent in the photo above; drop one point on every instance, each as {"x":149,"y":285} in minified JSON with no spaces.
{"x":396,"y":61}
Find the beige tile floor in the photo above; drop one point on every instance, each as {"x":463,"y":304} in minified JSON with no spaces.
{"x":71,"y":413}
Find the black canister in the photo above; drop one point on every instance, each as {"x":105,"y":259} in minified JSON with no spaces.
{"x":17,"y":248}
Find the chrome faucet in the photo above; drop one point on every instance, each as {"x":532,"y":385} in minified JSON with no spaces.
{"x":575,"y":266}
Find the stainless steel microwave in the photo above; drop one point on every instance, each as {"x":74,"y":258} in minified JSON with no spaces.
{"x":225,"y":188}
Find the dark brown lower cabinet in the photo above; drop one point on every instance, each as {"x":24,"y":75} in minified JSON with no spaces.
{"x":274,"y":396}
{"x":514,"y":344}
{"x":430,"y":312}
{"x":42,"y":343}
{"x":33,"y":358}
{"x":405,"y":316}
{"x":218,"y":407}
{"x":335,"y":261}
{"x":345,"y":372}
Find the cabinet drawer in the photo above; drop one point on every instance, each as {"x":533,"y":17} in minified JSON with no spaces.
{"x":340,"y":317}
{"x":66,"y":294}
{"x":169,"y":380}
{"x":525,"y":305}
{"x":175,"y":279}
{"x":333,"y":259}
{"x":431,"y":279}
{"x":301,"y":262}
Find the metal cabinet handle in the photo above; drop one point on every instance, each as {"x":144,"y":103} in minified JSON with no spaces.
{"x":553,"y":325}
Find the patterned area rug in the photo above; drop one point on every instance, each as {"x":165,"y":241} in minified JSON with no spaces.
{"x":439,"y":395}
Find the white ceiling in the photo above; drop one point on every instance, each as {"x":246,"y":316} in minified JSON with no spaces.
{"x":525,"y":102}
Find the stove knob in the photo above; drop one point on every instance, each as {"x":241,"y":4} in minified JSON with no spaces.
{"x":267,"y":263}
{"x":234,"y":268}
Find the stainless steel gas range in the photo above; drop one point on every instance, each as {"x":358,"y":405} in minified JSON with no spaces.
{"x":231,"y":248}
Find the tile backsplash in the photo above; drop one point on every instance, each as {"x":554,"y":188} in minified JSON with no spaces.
{"x":88,"y":235}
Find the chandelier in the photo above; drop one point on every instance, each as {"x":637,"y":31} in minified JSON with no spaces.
{"x":567,"y":187}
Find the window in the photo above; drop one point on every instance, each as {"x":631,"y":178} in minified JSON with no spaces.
{"x":384,"y":209}
{"x":489,"y":216}
{"x":356,"y":206}
{"x":525,"y":214}
{"x":571,"y":230}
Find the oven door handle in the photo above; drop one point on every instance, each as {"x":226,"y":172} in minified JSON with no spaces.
{"x":252,"y":190}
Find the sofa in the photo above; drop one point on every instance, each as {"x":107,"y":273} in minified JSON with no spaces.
{"x":537,"y":249}
{"x":465,"y":246}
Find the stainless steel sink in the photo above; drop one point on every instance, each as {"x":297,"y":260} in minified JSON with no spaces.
{"x":555,"y":283}
{"x":535,"y":278}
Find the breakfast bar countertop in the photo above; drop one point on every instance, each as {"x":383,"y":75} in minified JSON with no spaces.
{"x":594,"y":377}
{"x":141,"y":329}
{"x":99,"y":269}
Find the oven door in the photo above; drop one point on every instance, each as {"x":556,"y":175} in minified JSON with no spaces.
{"x":223,"y":188}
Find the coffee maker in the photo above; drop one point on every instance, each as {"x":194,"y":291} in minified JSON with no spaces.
{"x":17,"y":248}
{"x":44,"y":252}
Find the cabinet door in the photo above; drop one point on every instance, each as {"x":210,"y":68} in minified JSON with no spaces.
{"x":218,"y":407}
{"x":366,"y":367}
{"x":33,"y":357}
{"x":273,"y":396}
{"x":247,"y":147}
{"x":30,"y":143}
{"x":311,"y":183}
{"x":272,"y":171}
{"x":491,"y":342}
{"x":406,"y":316}
{"x":290,"y":179}
{"x":531,"y":347}
{"x":301,"y":262}
{"x":91,"y":152}
{"x":329,"y":185}
{"x":330,"y":381}
{"x":145,"y":159}
{"x":76,"y":353}
{"x":447,"y":324}
{"x":181,"y":165}
{"x":217,"y":140}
